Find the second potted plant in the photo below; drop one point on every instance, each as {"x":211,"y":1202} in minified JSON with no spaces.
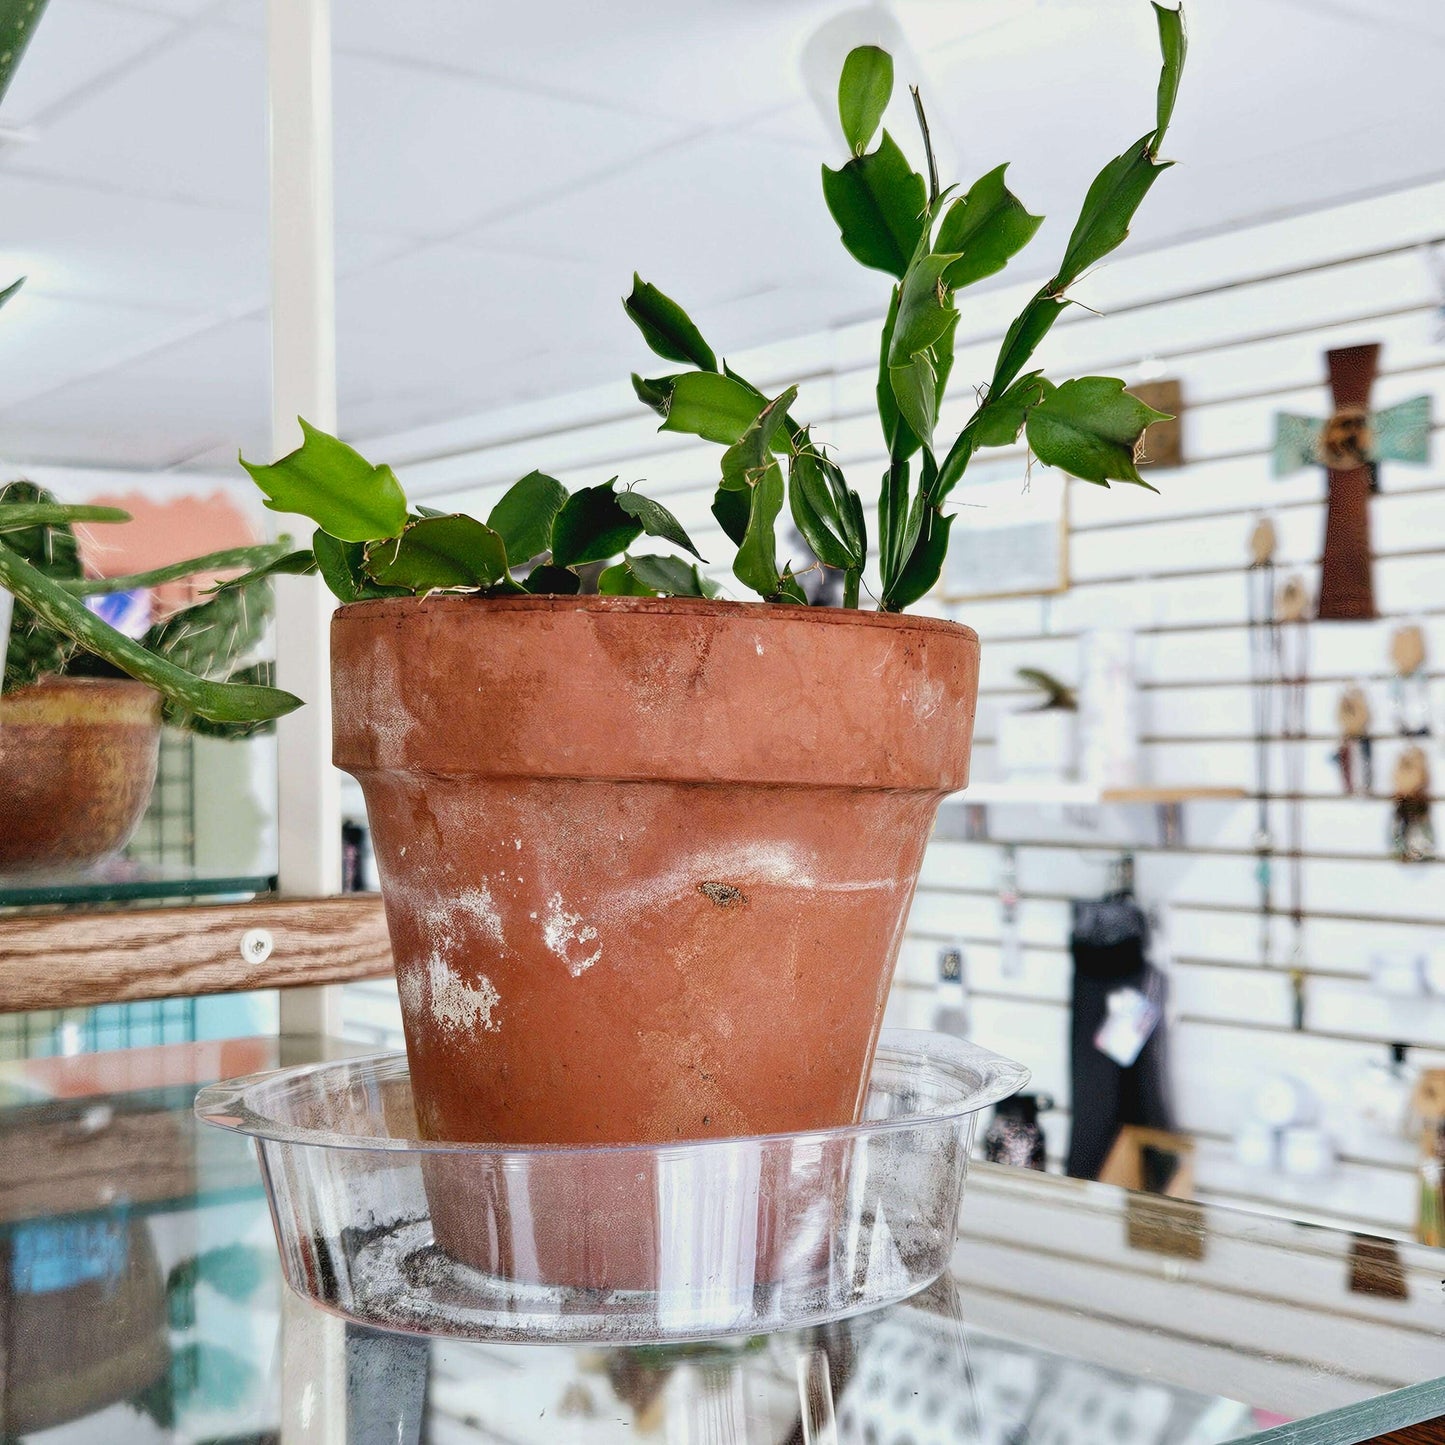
{"x":79,"y":736}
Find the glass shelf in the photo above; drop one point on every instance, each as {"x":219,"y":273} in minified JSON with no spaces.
{"x":1070,"y":1303}
{"x":123,"y":881}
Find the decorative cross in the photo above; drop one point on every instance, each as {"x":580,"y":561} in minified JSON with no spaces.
{"x":1350,"y":445}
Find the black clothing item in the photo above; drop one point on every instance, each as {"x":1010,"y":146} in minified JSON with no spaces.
{"x":1109,"y":942}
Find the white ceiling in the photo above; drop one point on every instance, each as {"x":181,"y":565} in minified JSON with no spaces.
{"x":503,"y":167}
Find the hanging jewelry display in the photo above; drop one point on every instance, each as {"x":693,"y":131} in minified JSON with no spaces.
{"x":1412,"y":836}
{"x":1292,"y":611}
{"x":1265,"y":664}
{"x":1012,"y":961}
{"x":1410,"y":688}
{"x":1354,"y":754}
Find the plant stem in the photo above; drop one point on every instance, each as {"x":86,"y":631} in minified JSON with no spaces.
{"x":18,"y":516}
{"x":256,"y":556}
{"x":851,"y":579}
{"x":927,"y":146}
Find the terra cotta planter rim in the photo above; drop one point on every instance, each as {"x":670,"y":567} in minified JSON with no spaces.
{"x":55,"y":681}
{"x":58,"y":688}
{"x":402,"y":607}
{"x":696,"y":691}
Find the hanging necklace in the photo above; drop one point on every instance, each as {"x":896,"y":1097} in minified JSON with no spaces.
{"x":1265,"y":664}
{"x":1292,"y":612}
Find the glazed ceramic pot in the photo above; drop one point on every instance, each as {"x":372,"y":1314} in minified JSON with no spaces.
{"x":646,"y":862}
{"x":77,"y":764}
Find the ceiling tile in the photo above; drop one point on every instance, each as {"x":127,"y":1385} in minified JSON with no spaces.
{"x":185,"y":123}
{"x":186,"y":9}
{"x":426,"y":153}
{"x":716,"y":218}
{"x":74,"y":44}
{"x":441,"y":328}
{"x":211,"y":390}
{"x":73,"y":241}
{"x":707,"y":62}
{"x":46,"y":341}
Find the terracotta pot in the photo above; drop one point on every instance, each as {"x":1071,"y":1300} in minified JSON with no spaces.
{"x":646,"y":863}
{"x":77,"y":764}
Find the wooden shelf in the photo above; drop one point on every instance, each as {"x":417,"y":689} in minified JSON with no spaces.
{"x":72,"y":960}
{"x":1172,"y":795}
{"x":1085,"y":795}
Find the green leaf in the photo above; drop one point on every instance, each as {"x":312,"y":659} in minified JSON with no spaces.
{"x":49,"y":546}
{"x":1021,"y":340}
{"x":666,"y":327}
{"x":924,"y":565}
{"x":892,"y":518}
{"x":715,"y":407}
{"x":998,"y":422}
{"x":752,"y":454}
{"x":210,"y":638}
{"x":671,"y":576}
{"x":11,"y":289}
{"x":439,"y":553}
{"x":942,"y":351}
{"x":1173,"y":43}
{"x":1108,"y":209}
{"x":15,"y":516}
{"x":789,"y":587}
{"x":915,"y":389}
{"x":988,"y":226}
{"x":343,"y":568}
{"x":342,"y":565}
{"x":923,"y":310}
{"x":655,"y":392}
{"x":732,"y":508}
{"x":756,"y":564}
{"x":592,"y":527}
{"x":925,"y":319}
{"x":551,"y":581}
{"x":1119,"y":188}
{"x":657,"y":521}
{"x":619,"y":580}
{"x":864,"y":90}
{"x":523,"y":517}
{"x":335,"y":486}
{"x":262,"y":674}
{"x":264,"y":559}
{"x":878,"y":201}
{"x":817,"y":513}
{"x":1091,"y":428}
{"x":901,"y":441}
{"x":215,"y":701}
{"x":1057,"y":695}
{"x":1103,"y":223}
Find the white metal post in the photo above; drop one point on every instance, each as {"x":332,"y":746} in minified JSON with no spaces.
{"x":303,"y":383}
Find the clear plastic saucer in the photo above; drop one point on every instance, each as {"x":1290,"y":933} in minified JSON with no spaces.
{"x":616,"y":1244}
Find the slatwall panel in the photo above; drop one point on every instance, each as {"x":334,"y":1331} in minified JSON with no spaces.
{"x":1243,"y":320}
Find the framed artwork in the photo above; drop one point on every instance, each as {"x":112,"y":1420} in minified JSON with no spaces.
{"x":1011,"y":538}
{"x":1164,"y":441}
